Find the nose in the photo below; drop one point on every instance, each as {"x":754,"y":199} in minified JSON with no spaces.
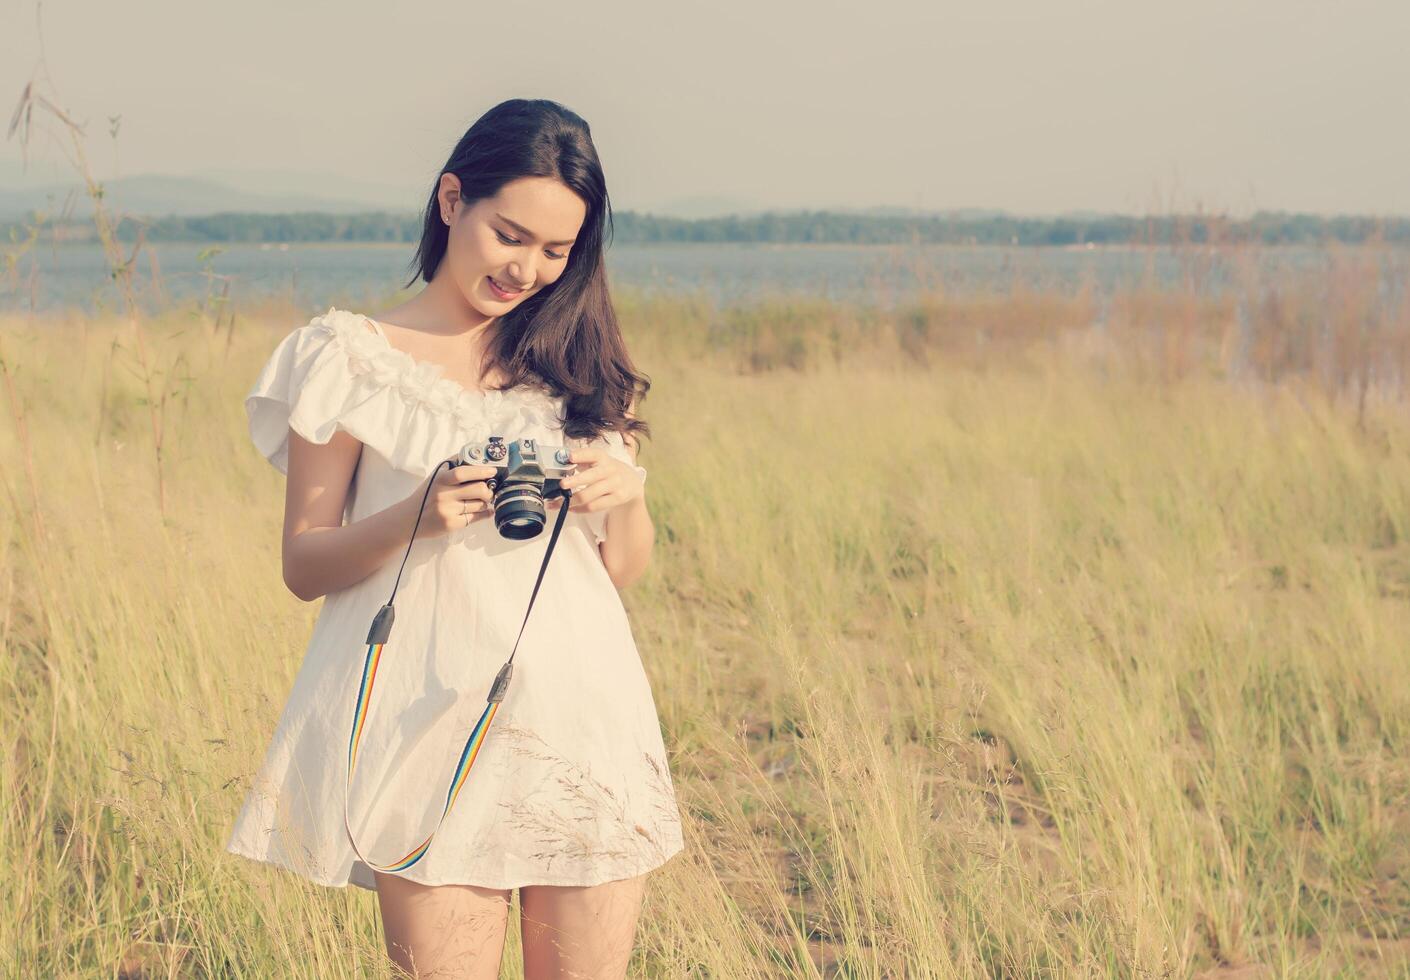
{"x":519,"y":280}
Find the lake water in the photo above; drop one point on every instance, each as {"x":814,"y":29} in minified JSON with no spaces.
{"x":316,"y":275}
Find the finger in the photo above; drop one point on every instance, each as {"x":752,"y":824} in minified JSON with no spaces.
{"x":604,"y":500}
{"x":474,"y":490}
{"x":573,"y":507}
{"x":472,"y":471}
{"x":586,"y":454}
{"x":472,"y":493}
{"x":584,"y":478}
{"x":574,"y":504}
{"x":593,"y":491}
{"x":446,"y":477}
{"x":455,"y":512}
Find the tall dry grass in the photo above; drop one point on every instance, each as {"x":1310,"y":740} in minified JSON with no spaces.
{"x":1037,"y":635}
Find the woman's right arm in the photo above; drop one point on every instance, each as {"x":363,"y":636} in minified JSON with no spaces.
{"x":321,"y":554}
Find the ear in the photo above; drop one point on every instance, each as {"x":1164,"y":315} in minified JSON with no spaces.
{"x":448,"y":193}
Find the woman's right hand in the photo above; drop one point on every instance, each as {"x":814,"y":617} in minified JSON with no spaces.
{"x":458,"y":497}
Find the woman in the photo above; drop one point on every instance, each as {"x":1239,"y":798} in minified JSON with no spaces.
{"x":569,"y":798}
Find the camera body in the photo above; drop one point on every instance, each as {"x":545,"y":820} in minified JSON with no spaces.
{"x":526,"y":474}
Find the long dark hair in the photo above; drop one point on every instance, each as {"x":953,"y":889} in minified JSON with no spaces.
{"x":566,"y":337}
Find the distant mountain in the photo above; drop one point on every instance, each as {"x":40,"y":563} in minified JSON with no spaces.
{"x":153,"y":195}
{"x":374,"y":195}
{"x":289,"y":206}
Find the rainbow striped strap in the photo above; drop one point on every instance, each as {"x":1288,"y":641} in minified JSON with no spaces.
{"x":462,"y":768}
{"x":381,"y":630}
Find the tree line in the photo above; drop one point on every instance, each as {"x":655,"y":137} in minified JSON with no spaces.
{"x":630,"y":227}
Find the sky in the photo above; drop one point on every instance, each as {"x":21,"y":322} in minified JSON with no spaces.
{"x":1030,"y":106}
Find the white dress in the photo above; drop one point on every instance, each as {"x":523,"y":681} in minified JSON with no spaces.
{"x":571,"y":784}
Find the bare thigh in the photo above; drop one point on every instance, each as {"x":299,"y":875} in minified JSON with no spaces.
{"x":579,"y":932}
{"x":449,"y":932}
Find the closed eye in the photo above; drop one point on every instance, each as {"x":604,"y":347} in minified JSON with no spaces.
{"x":514,"y":241}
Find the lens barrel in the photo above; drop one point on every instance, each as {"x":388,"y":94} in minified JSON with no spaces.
{"x":518,"y":510}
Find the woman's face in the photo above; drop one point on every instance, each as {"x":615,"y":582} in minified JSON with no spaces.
{"x":517,"y":240}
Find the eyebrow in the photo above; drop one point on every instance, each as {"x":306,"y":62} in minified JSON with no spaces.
{"x":524,"y":231}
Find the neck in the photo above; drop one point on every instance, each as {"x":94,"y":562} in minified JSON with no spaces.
{"x":442,"y":308}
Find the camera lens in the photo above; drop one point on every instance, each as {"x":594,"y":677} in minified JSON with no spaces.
{"x":518,"y":510}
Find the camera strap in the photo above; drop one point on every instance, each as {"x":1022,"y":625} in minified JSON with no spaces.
{"x":377,"y":637}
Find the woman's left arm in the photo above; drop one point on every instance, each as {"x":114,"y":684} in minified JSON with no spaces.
{"x":607,"y":483}
{"x":630,"y":538}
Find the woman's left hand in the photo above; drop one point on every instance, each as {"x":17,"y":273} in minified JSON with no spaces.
{"x":601,"y":481}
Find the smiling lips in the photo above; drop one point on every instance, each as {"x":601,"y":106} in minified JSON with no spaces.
{"x":506,"y":293}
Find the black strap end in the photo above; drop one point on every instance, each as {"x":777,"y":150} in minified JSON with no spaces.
{"x":382,"y":625}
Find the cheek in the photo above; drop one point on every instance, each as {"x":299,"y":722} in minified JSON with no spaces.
{"x":470,"y":259}
{"x":466,"y":266}
{"x":472,"y":249}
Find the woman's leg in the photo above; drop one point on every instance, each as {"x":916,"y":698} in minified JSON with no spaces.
{"x":449,"y":932}
{"x":580,"y":932}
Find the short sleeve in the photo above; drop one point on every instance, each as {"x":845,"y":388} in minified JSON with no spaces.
{"x":335,"y":374}
{"x":282,"y":398}
{"x":317,"y":382}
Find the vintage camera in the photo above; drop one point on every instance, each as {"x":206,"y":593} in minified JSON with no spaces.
{"x":527,"y":475}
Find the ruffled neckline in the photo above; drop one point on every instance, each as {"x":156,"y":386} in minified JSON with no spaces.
{"x":371,"y":355}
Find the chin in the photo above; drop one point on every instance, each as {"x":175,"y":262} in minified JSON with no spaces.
{"x":478,"y":296}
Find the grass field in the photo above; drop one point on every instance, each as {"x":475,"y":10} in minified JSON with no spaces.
{"x":980,"y":649}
